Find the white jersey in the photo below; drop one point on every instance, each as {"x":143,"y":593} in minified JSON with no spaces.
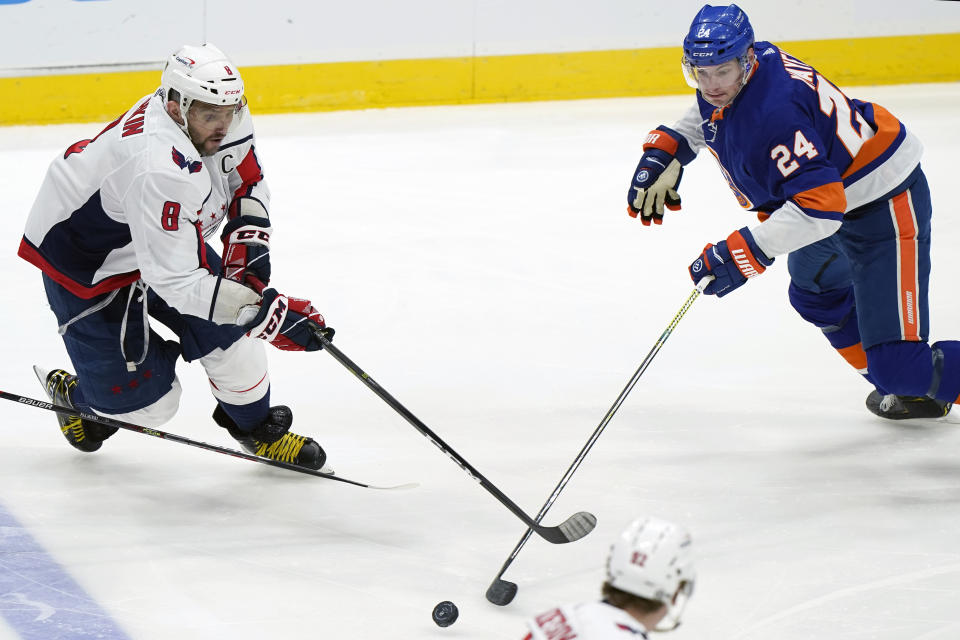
{"x":585,"y":621}
{"x":138,"y":202}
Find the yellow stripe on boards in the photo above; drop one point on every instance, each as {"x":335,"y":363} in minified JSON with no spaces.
{"x":72,"y":98}
{"x":358,"y":85}
{"x":100,"y":97}
{"x":880,"y":60}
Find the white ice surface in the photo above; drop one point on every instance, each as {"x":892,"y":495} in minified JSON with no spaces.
{"x":479,"y":264}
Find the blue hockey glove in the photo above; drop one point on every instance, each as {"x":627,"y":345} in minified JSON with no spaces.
{"x":658,"y":174}
{"x":730,"y":262}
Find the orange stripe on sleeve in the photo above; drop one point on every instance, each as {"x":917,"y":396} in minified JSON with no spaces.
{"x":827,"y":197}
{"x":901,"y":210}
{"x":888,"y":127}
{"x":662,"y":140}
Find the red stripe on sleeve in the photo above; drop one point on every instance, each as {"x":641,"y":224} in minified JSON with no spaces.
{"x":249,"y":172}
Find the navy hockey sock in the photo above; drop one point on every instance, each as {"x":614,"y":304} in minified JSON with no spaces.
{"x":834,"y":313}
{"x":248,"y":416}
{"x":903,"y":368}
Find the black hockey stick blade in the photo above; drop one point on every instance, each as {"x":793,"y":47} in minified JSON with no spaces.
{"x":163,"y":435}
{"x":501,"y":592}
{"x":573,"y":528}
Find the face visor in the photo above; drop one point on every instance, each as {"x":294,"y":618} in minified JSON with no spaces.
{"x":208,"y":116}
{"x":725,"y":73}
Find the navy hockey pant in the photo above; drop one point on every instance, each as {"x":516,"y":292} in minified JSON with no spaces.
{"x":865,"y":287}
{"x":100,"y":360}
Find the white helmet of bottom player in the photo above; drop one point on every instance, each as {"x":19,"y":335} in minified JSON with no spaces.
{"x":652,"y":559}
{"x":205,"y":74}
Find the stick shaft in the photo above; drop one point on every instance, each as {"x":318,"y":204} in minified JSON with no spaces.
{"x":604,"y":422}
{"x":552,"y":534}
{"x":110,"y":422}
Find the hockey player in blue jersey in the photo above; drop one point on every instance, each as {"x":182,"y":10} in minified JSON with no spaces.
{"x":837,"y":186}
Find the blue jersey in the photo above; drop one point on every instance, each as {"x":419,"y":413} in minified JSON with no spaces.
{"x":793,"y":147}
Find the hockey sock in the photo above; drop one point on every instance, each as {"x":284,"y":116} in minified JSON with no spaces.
{"x":905,"y":368}
{"x":248,"y":416}
{"x":836,"y":316}
{"x":846,"y":340}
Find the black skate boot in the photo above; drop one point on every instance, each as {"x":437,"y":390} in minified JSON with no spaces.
{"x":895,"y":407}
{"x":81,"y":434}
{"x":273,"y":439}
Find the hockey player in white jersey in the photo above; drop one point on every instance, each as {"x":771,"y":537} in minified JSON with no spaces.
{"x":120,"y":229}
{"x":650,"y":577}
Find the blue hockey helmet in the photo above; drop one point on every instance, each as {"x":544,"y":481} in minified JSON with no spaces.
{"x":717,"y":35}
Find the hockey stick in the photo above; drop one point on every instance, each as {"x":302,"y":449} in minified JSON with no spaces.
{"x":501,"y":592}
{"x":573,"y":528}
{"x":110,"y":422}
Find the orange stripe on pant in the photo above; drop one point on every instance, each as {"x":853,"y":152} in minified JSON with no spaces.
{"x":908,"y":285}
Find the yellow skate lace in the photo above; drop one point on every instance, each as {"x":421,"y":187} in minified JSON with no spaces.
{"x":74,"y":429}
{"x":59,"y":389}
{"x":286,"y":449}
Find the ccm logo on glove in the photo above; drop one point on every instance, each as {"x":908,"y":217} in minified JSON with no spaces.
{"x":289,"y":324}
{"x":277,"y":313}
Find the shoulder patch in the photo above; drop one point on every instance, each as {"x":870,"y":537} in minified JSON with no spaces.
{"x":192,"y":166}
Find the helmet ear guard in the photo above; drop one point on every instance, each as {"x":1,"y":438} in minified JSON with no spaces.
{"x":203,"y":74}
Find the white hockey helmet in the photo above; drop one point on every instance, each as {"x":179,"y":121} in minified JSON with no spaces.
{"x":652,"y":559}
{"x":205,"y":74}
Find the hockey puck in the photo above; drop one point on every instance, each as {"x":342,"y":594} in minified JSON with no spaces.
{"x":445,"y":614}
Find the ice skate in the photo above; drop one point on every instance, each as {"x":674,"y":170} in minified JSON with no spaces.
{"x":894,"y":407}
{"x":81,"y":434}
{"x":290,"y":448}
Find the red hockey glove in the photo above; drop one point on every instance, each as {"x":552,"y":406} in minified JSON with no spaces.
{"x":287,"y":323}
{"x":246,"y":250}
{"x":657,"y":177}
{"x":731,"y":262}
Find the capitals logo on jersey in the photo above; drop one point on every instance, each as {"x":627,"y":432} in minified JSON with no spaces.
{"x":181,"y":161}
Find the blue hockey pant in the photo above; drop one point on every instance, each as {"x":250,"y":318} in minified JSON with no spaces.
{"x":865,"y":287}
